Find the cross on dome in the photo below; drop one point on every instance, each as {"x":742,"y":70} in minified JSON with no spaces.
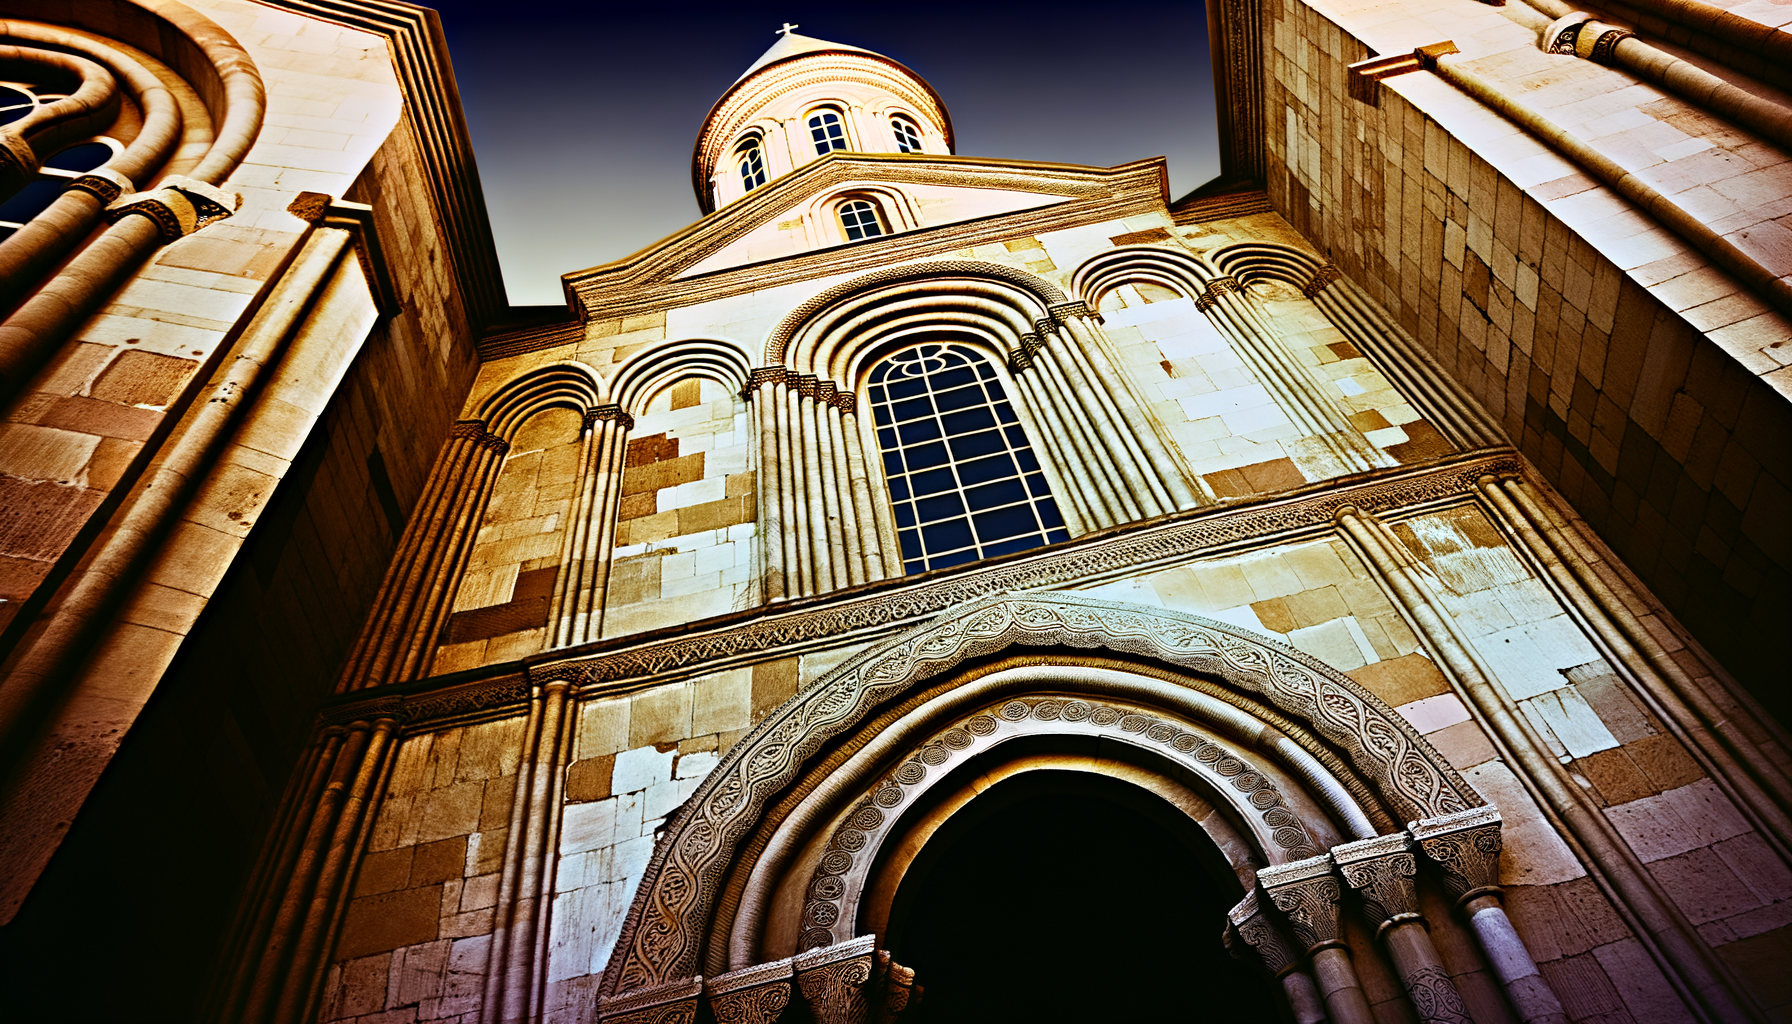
{"x":787,"y":29}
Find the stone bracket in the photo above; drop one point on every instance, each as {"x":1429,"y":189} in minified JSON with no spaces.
{"x":1466,"y":845}
{"x":179,"y":207}
{"x":755,"y":995}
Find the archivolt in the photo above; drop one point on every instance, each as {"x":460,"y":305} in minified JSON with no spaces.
{"x":645,"y":372}
{"x":1017,"y":298}
{"x":1180,"y":271}
{"x":569,"y":385}
{"x":1400,"y":777}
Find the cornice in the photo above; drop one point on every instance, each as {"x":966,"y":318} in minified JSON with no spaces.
{"x":760,"y":634}
{"x":647,"y":281}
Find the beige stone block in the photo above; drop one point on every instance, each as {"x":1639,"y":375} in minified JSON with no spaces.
{"x":774,"y":682}
{"x":41,"y":453}
{"x":489,"y":750}
{"x":363,"y":981}
{"x":376,"y":924}
{"x":1464,"y":745}
{"x":660,"y":715}
{"x":384,"y":871}
{"x":603,"y":727}
{"x":449,"y":811}
{"x":440,"y":861}
{"x":1226,"y":585}
{"x":1533,"y":854}
{"x":1402,"y":680}
{"x":722,"y":702}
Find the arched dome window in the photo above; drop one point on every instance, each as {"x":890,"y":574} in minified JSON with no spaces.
{"x":67,"y":164}
{"x":908,"y":137}
{"x":859,"y":219}
{"x":826,"y":128}
{"x":751,"y":160}
{"x":964,"y":481}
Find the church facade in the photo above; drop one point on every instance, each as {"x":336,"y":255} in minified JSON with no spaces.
{"x":927,"y":587}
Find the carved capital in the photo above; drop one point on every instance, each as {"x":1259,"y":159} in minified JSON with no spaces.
{"x":1322,"y":279}
{"x":1466,"y":845}
{"x":1252,"y":923}
{"x":756,"y":995}
{"x":179,"y":207}
{"x":1215,"y":288}
{"x":1307,"y":894}
{"x":467,"y":430}
{"x":1062,"y":311}
{"x":610,"y":411}
{"x":104,"y":184}
{"x":1382,"y":870}
{"x":1020,"y":359}
{"x":672,"y":1003}
{"x":763,"y":376}
{"x":1576,"y":34}
{"x":835,"y":980}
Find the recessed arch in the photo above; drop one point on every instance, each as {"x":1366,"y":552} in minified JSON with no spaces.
{"x":571,"y":385}
{"x":645,"y":372}
{"x":1182,"y":272}
{"x":681,"y":901}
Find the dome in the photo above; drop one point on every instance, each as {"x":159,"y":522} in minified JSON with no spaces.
{"x":803,"y":99}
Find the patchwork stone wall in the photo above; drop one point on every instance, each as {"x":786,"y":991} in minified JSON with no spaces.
{"x":1647,"y":387}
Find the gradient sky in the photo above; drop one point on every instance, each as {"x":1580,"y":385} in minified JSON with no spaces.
{"x":583,"y":114}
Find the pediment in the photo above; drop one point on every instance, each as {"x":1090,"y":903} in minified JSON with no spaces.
{"x":790,"y":222}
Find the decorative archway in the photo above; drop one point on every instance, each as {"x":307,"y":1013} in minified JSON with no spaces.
{"x":797,"y":819}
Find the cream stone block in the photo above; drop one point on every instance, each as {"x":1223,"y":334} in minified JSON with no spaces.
{"x":636,"y":770}
{"x":587,"y":826}
{"x":720,"y":703}
{"x":43,"y":453}
{"x":1532,"y":854}
{"x":603,"y":727}
{"x":1566,"y":715}
{"x":1331,"y":643}
{"x":1430,"y":714}
{"x":1228,"y":401}
{"x":1528,"y":659}
{"x":816,"y":664}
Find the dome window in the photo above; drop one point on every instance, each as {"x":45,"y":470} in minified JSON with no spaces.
{"x":827,"y":131}
{"x":752,"y":164}
{"x":859,"y":218}
{"x":908,"y":137}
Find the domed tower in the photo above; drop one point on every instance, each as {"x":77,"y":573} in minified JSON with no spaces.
{"x":805,"y":98}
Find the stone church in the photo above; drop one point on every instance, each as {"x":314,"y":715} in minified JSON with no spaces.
{"x":927,"y":587}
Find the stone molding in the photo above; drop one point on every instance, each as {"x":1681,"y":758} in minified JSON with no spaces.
{"x":664,"y":930}
{"x":866,"y":825}
{"x":672,"y":1003}
{"x":759,"y":634}
{"x":778,"y":344}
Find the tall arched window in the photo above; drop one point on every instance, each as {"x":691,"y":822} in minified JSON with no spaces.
{"x":964,"y":481}
{"x":859,"y":220}
{"x":752,"y":164}
{"x":908,"y":137}
{"x":827,"y":131}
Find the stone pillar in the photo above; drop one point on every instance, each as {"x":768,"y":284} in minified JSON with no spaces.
{"x":1381,"y":870}
{"x":1307,"y":893}
{"x":675,"y":1002}
{"x":755,"y":995}
{"x":1466,"y":846}
{"x":1253,"y":926}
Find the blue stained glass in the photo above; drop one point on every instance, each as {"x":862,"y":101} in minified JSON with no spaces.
{"x":941,"y":396}
{"x":32,"y":200}
{"x":1056,"y":536}
{"x":84,"y":156}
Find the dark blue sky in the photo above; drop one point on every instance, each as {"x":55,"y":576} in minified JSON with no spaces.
{"x":583,"y":114}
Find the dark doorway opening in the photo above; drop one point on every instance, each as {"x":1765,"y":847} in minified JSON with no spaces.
{"x":1061,"y":896}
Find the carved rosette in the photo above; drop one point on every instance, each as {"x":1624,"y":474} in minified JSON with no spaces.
{"x":1253,"y":924}
{"x":1381,"y":870}
{"x":836,"y":981}
{"x":1307,"y":894}
{"x":672,"y":1003}
{"x":1466,"y":845}
{"x":756,"y":995}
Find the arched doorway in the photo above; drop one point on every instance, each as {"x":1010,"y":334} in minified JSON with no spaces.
{"x":1067,"y":895}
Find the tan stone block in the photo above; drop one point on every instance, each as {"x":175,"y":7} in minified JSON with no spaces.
{"x":589,"y":779}
{"x":363,"y":985}
{"x":741,"y":483}
{"x":40,"y":453}
{"x":74,"y":366}
{"x":1464,"y":745}
{"x":1402,"y":680}
{"x":110,"y":460}
{"x":722,"y":702}
{"x":494,"y":802}
{"x":106,"y":419}
{"x":603,"y":727}
{"x":385,"y":871}
{"x":195,"y":558}
{"x":383,"y":922}
{"x":1274,"y":614}
{"x":489,"y":750}
{"x":1616,"y":776}
{"x":666,"y":473}
{"x":660,"y":715}
{"x":774,"y":682}
{"x":486,"y":851}
{"x":512,"y":646}
{"x":649,"y":529}
{"x":418,"y":972}
{"x":232,"y":499}
{"x":480,"y":892}
{"x":1664,"y":761}
{"x":449,"y":811}
{"x":439,"y":861}
{"x":142,"y":378}
{"x":715,"y":515}
{"x":460,"y":926}
{"x":1312,"y":607}
{"x":1225,"y":585}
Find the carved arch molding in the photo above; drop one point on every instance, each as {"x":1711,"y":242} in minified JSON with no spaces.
{"x":1363,"y":769}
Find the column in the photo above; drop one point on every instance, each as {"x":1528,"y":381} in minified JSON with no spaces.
{"x":1252,"y":924}
{"x":1381,"y":870}
{"x":1307,"y":893}
{"x":1466,"y":845}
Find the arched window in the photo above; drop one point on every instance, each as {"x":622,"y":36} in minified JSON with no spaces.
{"x":67,"y":164}
{"x":827,"y":131}
{"x":752,"y":164}
{"x":908,"y":137}
{"x":964,"y":481}
{"x":859,"y":219}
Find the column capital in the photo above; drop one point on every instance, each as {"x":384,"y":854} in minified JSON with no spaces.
{"x":1382,"y":871}
{"x":675,"y":1002}
{"x":1466,"y":845}
{"x":609,"y":411}
{"x":835,"y":980}
{"x":1307,"y":894}
{"x":1322,"y":279}
{"x":179,"y":207}
{"x":1217,"y":287}
{"x":1251,"y":922}
{"x":755,"y":995}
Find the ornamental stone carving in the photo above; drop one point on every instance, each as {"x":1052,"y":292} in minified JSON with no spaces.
{"x":836,"y":981}
{"x":1251,"y":920}
{"x":662,"y":934}
{"x":671,"y":1003}
{"x":1466,"y":845}
{"x":1307,"y":894}
{"x":1381,"y":870}
{"x":179,"y":207}
{"x":756,"y":995}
